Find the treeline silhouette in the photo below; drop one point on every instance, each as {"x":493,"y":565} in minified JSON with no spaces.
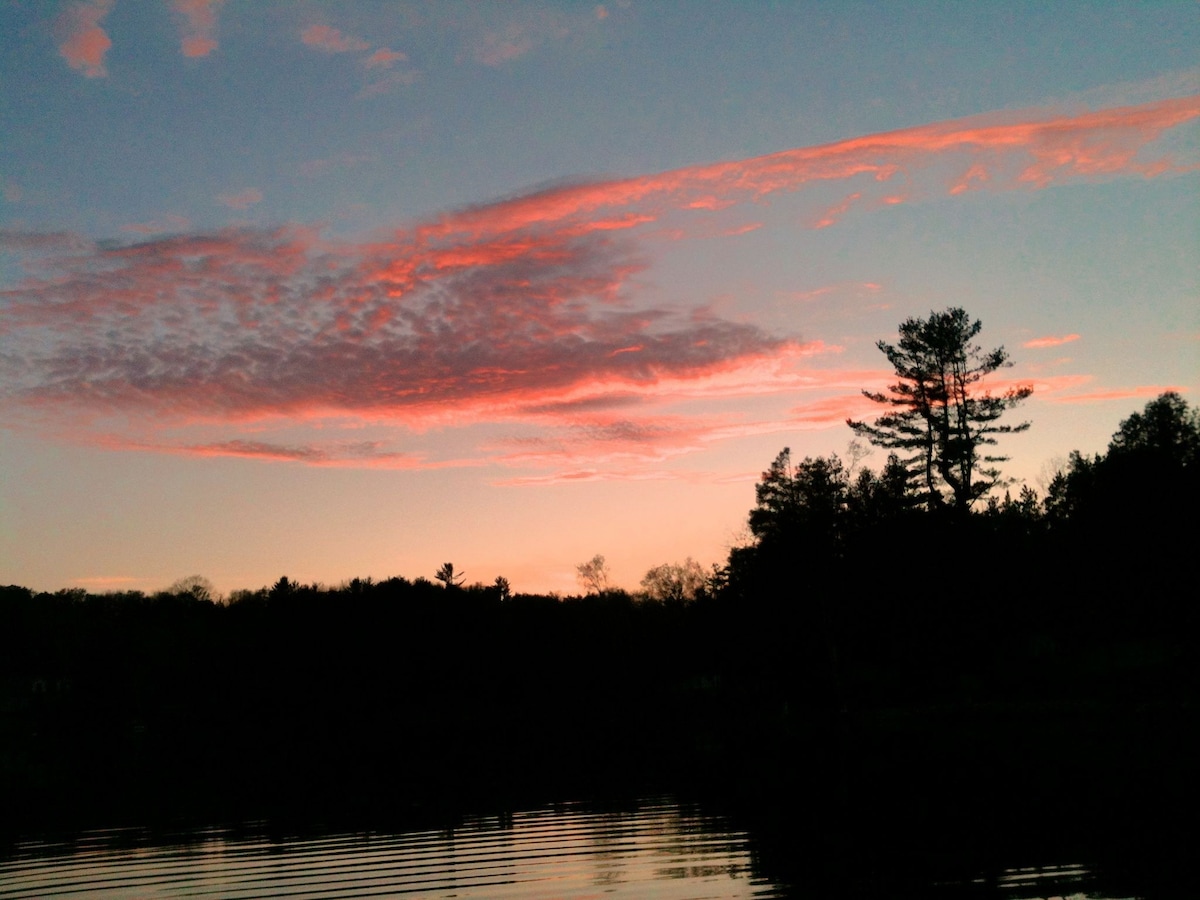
{"x":862,"y":646}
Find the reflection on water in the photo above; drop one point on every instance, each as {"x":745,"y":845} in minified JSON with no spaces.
{"x":656,"y":848}
{"x":661,"y":849}
{"x":1062,"y":882}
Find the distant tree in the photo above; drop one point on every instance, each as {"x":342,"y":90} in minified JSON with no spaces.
{"x":593,"y":575}
{"x":1151,"y":466}
{"x":675,"y":582}
{"x":1166,"y":429}
{"x":283,"y":588}
{"x":804,"y":502}
{"x":448,"y":577}
{"x":879,"y":499}
{"x":800,"y":513}
{"x":938,"y":420}
{"x":196,"y":586}
{"x":502,"y":587}
{"x":247,"y":597}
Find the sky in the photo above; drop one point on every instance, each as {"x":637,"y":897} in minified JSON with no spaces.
{"x":334,"y":290}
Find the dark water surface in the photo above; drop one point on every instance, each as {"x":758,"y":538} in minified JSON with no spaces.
{"x":657,"y":848}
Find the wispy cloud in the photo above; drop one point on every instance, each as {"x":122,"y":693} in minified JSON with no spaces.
{"x":1032,"y":152}
{"x":585,"y":476}
{"x":82,"y":42}
{"x":330,"y":40}
{"x":1050,"y":341}
{"x":242,"y":199}
{"x":528,"y":30}
{"x":356,"y":454}
{"x":380,"y":62}
{"x":1143,"y":390}
{"x":839,"y":290}
{"x":384,"y":58}
{"x":498,"y":47}
{"x":197,"y":25}
{"x":523,"y":311}
{"x":835,"y":212}
{"x":831,"y":411}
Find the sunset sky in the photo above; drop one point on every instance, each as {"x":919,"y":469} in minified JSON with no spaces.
{"x":355,"y":289}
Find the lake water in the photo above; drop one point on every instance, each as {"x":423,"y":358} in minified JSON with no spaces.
{"x":655,"y":849}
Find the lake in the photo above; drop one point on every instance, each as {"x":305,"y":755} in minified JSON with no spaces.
{"x":652,"y":848}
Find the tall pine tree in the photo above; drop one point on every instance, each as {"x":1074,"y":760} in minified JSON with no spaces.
{"x":938,"y":419}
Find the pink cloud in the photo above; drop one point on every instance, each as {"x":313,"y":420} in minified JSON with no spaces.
{"x":1050,"y":341}
{"x":330,"y":40}
{"x":269,"y":324}
{"x":1038,"y":151}
{"x":598,"y":445}
{"x":83,"y":43}
{"x":975,"y":177}
{"x":527,"y":32}
{"x":834,"y":213}
{"x":586,"y":476}
{"x":243,"y":199}
{"x":367,"y":454}
{"x":380,"y":62}
{"x":1145,"y":390}
{"x":383,"y":58}
{"x":499,"y":47}
{"x":519,"y":311}
{"x":841,"y":290}
{"x":198,"y":25}
{"x":616,"y":449}
{"x":834,"y":411}
{"x":336,"y":454}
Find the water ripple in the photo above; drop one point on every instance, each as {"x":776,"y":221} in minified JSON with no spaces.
{"x":567,"y":851}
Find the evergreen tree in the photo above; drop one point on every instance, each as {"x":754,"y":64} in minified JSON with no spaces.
{"x":805,"y":502}
{"x":937,"y":417}
{"x":449,"y":577}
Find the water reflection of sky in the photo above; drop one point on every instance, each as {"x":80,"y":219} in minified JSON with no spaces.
{"x":655,"y":848}
{"x":658,"y":849}
{"x":1070,"y":881}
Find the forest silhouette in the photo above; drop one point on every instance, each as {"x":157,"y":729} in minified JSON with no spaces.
{"x":871,"y":648}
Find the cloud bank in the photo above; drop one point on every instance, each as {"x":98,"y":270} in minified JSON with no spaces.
{"x":523,"y":310}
